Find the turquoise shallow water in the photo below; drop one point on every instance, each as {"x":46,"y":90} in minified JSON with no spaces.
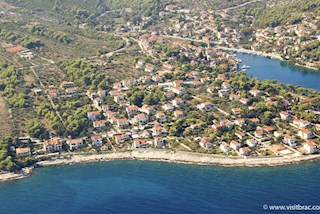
{"x":154,"y":187}
{"x":264,"y":68}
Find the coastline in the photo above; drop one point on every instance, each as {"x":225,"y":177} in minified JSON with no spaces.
{"x":247,"y":51}
{"x":268,"y":55}
{"x":165,"y":156}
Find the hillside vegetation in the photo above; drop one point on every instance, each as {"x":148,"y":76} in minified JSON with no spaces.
{"x":291,"y":13}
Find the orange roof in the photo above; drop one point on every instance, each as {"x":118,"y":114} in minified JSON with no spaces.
{"x":305,"y":131}
{"x":52,"y":142}
{"x":75,"y":140}
{"x":22,"y":150}
{"x":130,"y":108}
{"x":96,"y":137}
{"x":139,"y":141}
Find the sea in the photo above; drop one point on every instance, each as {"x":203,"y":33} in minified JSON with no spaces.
{"x":156,"y":187}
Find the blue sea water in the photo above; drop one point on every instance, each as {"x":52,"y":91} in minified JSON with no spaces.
{"x":154,"y":187}
{"x":265,"y":68}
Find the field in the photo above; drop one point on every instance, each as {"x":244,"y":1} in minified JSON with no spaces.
{"x":5,"y":122}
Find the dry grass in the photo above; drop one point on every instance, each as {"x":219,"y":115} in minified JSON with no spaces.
{"x":5,"y":122}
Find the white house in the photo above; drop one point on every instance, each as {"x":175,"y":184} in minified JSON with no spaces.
{"x":161,"y":117}
{"x":159,"y":141}
{"x":93,"y":115}
{"x":168,"y":107}
{"x":234,"y":145}
{"x":205,"y":143}
{"x":99,"y":123}
{"x":206,"y":106}
{"x":140,"y":143}
{"x":224,"y":147}
{"x":284,"y":115}
{"x":289,"y":140}
{"x":305,"y":134}
{"x":310,"y":147}
{"x":251,"y":142}
{"x":177,"y":101}
{"x":245,"y":151}
{"x":254,"y":92}
{"x":132,"y":110}
{"x":150,"y":110}
{"x":96,"y":140}
{"x":179,"y":90}
{"x":75,"y":143}
{"x":23,"y":152}
{"x":141,"y":118}
{"x":278,"y":133}
{"x":52,"y":145}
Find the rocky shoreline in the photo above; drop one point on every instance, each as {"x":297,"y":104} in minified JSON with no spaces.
{"x":166,"y":156}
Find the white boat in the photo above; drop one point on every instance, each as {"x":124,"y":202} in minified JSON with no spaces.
{"x":245,"y":67}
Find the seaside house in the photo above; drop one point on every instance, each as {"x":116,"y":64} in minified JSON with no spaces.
{"x":289,"y":140}
{"x":75,"y":143}
{"x":224,"y":147}
{"x":205,"y":143}
{"x":310,"y":147}
{"x":234,"y":145}
{"x":23,"y":152}
{"x":52,"y":145}
{"x":121,"y":138}
{"x":159,"y":141}
{"x":158,"y":131}
{"x":244,"y":151}
{"x":140,"y":143}
{"x":96,"y":140}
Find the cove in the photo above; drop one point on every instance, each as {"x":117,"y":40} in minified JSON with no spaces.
{"x":265,"y":68}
